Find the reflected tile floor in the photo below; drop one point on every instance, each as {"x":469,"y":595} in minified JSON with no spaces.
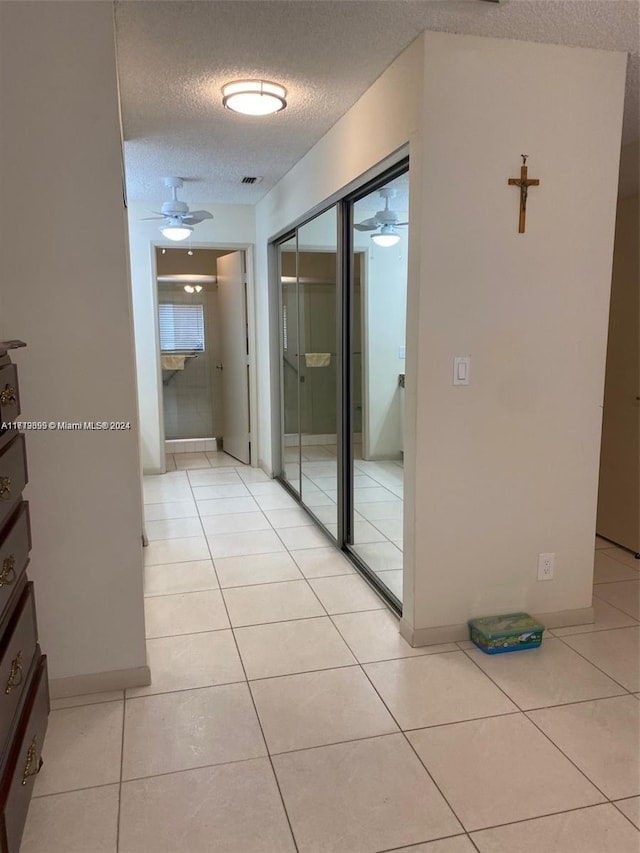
{"x":378,"y":503}
{"x":287,"y":715}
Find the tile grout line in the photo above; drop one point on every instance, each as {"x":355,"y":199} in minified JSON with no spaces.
{"x":608,"y":802}
{"x":413,"y":750}
{"x":557,"y":704}
{"x":400,"y":731}
{"x":255,"y":711}
{"x":539,"y":817}
{"x":525,"y":715}
{"x":618,"y":580}
{"x":158,"y":775}
{"x":121,"y":771}
{"x":615,"y":548}
{"x":75,"y":791}
{"x":580,"y":770}
{"x":464,"y":834}
{"x":588,"y":629}
{"x":615,"y":804}
{"x":632,"y":627}
{"x":313,"y":592}
{"x":87,"y":705}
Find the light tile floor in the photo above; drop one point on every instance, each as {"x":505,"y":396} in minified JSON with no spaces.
{"x":287,"y":714}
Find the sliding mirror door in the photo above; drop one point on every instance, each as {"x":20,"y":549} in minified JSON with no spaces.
{"x":342,"y":312}
{"x":379,"y":299}
{"x":307,"y":264}
{"x":289,"y":362}
{"x":317,"y":300}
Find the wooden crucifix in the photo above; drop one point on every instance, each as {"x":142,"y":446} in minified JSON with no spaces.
{"x":524,"y":183}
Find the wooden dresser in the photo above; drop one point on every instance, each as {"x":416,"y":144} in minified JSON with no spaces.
{"x":24,"y":692}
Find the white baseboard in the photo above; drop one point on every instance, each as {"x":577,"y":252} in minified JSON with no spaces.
{"x":456,"y":633}
{"x":292,"y":439}
{"x":99,"y":682}
{"x":433,"y":636}
{"x":565,"y":618}
{"x":190,"y":445}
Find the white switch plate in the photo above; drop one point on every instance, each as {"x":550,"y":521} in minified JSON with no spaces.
{"x":461,"y":369}
{"x":402,"y":351}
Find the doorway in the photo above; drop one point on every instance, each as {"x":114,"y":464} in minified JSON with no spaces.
{"x":204,"y":351}
{"x":342,"y":282}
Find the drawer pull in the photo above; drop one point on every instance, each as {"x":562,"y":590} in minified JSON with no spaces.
{"x":5,"y":488}
{"x":8,"y":572}
{"x":30,"y":768}
{"x":15,"y":674}
{"x":8,"y":395}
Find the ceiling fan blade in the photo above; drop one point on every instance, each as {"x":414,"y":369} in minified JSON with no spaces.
{"x":400,"y":223}
{"x":147,"y":218}
{"x":195,"y":216}
{"x":367,"y":224}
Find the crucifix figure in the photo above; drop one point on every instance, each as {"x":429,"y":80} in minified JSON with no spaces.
{"x":524,"y":183}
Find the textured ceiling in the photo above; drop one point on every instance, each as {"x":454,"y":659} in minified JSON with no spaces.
{"x":174,"y":57}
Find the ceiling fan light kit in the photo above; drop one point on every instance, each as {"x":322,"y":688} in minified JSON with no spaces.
{"x":176,"y":231}
{"x":254,"y":97}
{"x":388,"y":236}
{"x":386,"y":220}
{"x":179,"y":220}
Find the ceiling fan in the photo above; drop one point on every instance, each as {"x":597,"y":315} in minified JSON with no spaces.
{"x":386,"y":220}
{"x":179,"y":220}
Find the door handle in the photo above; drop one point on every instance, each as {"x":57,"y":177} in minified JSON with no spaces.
{"x":219,"y":367}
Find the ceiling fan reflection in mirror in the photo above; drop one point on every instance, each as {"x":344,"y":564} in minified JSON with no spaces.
{"x":179,"y":220}
{"x":386,"y":220}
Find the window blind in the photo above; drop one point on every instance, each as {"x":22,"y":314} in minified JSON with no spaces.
{"x":181,"y":327}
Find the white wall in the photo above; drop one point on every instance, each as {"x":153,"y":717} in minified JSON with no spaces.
{"x":66,"y":293}
{"x":384,"y":119}
{"x":507,"y":467}
{"x":232,"y":226}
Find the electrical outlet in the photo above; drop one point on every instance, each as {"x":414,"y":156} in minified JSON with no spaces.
{"x":546,"y":565}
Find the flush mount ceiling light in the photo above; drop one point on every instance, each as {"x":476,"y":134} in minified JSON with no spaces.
{"x":254,"y":97}
{"x":388,"y":236}
{"x":176,"y":230}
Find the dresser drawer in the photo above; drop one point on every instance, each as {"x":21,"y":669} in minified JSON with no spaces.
{"x":17,"y":648}
{"x":13,"y":475}
{"x":24,"y":762}
{"x":15,"y":544}
{"x":9,"y":393}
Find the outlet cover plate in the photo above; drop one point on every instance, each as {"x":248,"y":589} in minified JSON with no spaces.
{"x":546,"y":566}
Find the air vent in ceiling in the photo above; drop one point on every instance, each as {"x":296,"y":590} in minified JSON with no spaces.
{"x":251,"y":179}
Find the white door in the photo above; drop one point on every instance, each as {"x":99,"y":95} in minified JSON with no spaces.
{"x":232,"y":303}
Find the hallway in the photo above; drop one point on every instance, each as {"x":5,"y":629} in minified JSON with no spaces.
{"x":287,"y":714}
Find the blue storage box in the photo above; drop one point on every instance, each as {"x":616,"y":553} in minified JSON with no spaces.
{"x":497,"y":634}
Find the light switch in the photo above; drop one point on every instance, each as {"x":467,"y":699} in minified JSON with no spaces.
{"x":461,"y":369}
{"x":402,"y":352}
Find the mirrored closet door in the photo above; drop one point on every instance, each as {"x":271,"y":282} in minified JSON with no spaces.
{"x":342,"y":279}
